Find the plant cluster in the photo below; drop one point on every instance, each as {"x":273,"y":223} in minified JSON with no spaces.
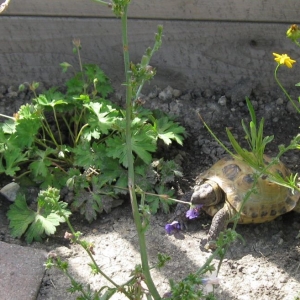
{"x":78,"y":139}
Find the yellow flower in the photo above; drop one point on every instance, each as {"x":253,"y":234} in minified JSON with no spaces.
{"x":284,"y":59}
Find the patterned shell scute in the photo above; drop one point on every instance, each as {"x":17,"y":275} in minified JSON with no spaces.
{"x":235,"y":178}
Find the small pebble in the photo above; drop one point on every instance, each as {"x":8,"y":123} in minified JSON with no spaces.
{"x":176,"y":93}
{"x":279,"y":101}
{"x":166,"y":94}
{"x":222,"y":100}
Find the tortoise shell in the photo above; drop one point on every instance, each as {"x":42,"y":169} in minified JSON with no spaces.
{"x":235,"y":178}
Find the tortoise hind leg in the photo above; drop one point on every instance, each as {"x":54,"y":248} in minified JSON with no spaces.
{"x":219,"y":223}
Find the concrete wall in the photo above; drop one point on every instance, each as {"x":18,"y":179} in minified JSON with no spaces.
{"x":206,"y":43}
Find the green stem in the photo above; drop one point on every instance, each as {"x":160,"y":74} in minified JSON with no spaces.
{"x":77,"y":122}
{"x":49,"y":132}
{"x":215,"y":137}
{"x":297,"y":43}
{"x":81,"y":69}
{"x":284,"y":90}
{"x":21,"y":175}
{"x":131,"y":184}
{"x":163,"y":197}
{"x":69,"y":128}
{"x":79,"y":134}
{"x":57,"y":125}
{"x":39,"y":142}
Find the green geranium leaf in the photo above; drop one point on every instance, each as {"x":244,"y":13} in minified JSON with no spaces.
{"x":117,"y":149}
{"x":153,"y":202}
{"x":26,"y":130}
{"x":49,"y":101}
{"x":102,"y":117}
{"x":43,"y":224}
{"x":89,"y":204}
{"x":169,"y":131}
{"x":20,"y":216}
{"x":83,"y":155}
{"x":156,"y":202}
{"x":24,"y":221}
{"x":75,"y":85}
{"x":99,"y":79}
{"x":40,"y":166}
{"x":8,"y":127}
{"x":34,"y":232}
{"x":142,"y":142}
{"x":28,"y":111}
{"x":13,"y":156}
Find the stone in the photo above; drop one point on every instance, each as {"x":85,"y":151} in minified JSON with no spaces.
{"x":10,"y":191}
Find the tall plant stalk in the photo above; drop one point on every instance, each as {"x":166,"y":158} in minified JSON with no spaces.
{"x":131,"y":179}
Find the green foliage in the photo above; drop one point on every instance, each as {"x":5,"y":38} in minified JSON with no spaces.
{"x":168,"y":130}
{"x":256,"y":141}
{"x":35,"y":224}
{"x":162,"y":260}
{"x":188,"y":289}
{"x":91,"y":80}
{"x":257,"y":144}
{"x":78,"y":139}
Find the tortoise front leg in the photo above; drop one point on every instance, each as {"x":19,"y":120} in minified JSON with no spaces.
{"x":219,"y":223}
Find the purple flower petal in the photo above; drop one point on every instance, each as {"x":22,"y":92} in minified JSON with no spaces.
{"x":167,"y":295}
{"x":194,"y":212}
{"x":173,"y":227}
{"x":211,"y":280}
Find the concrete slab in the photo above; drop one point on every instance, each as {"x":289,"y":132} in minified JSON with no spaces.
{"x":21,"y":272}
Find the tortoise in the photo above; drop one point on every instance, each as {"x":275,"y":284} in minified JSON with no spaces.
{"x":221,"y":190}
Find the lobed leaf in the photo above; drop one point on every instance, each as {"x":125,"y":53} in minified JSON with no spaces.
{"x":168,"y":131}
{"x":20,"y":216}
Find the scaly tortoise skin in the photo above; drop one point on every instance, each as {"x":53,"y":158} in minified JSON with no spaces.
{"x":222,"y":188}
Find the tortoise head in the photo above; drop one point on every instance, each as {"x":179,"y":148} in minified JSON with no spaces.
{"x":207,"y":193}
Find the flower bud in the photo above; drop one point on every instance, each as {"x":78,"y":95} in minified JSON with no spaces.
{"x":293,"y":32}
{"x":68,"y":235}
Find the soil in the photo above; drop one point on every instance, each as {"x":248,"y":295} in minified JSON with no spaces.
{"x":266,"y":265}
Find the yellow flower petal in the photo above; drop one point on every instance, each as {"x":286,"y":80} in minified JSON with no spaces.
{"x":284,"y":59}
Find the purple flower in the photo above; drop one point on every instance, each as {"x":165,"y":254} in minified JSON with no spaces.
{"x":167,"y":295}
{"x":193,"y":212}
{"x":210,"y":281}
{"x":173,"y":227}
